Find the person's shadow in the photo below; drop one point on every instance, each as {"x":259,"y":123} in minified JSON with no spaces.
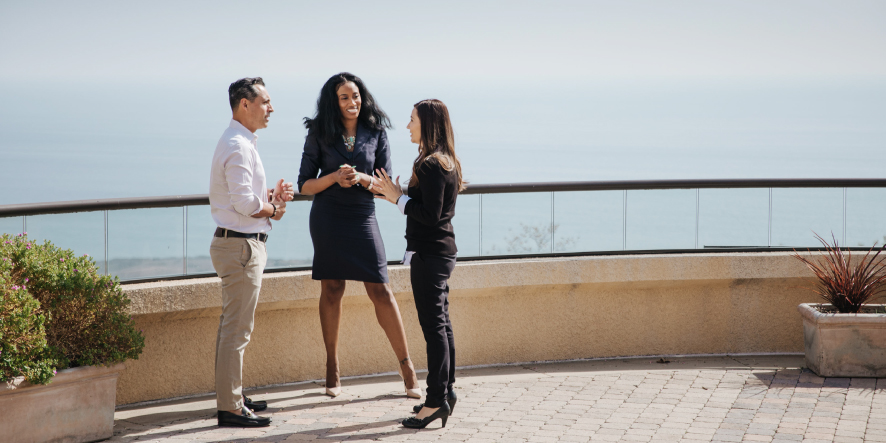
{"x":143,"y":424}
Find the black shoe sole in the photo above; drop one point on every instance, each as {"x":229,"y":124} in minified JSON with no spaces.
{"x":242,"y":421}
{"x":244,"y":425}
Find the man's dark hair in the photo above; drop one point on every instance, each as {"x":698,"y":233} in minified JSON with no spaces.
{"x":243,"y":88}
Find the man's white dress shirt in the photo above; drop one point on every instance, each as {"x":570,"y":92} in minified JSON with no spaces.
{"x":237,"y":185}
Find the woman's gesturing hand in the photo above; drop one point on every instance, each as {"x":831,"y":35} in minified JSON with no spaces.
{"x":389,"y":189}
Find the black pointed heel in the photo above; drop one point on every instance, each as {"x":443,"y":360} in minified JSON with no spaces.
{"x":451,"y":399}
{"x":442,"y":414}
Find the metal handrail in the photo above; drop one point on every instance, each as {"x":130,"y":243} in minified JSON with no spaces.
{"x":106,"y":204}
{"x":629,"y":185}
{"x":499,"y":188}
{"x":185,"y":201}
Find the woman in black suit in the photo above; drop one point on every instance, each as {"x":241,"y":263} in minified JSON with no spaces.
{"x":346,"y":141}
{"x":429,"y":206}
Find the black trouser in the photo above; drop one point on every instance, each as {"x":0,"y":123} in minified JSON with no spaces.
{"x":430,"y":287}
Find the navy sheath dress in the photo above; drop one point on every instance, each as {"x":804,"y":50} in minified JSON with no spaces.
{"x":344,"y":230}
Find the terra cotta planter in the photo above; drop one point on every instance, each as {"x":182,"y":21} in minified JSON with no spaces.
{"x":844,"y":345}
{"x":76,"y":406}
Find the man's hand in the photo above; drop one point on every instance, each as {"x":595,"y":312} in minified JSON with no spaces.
{"x":281,"y":207}
{"x":285,"y":190}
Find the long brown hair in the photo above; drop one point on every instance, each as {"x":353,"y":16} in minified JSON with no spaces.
{"x":437,"y":140}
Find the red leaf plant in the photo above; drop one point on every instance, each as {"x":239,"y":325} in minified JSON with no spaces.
{"x":846,"y":287}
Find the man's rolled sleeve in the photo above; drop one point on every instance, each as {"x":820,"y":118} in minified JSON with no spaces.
{"x":238,"y":174}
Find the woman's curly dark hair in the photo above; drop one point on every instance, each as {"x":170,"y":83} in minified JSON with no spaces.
{"x":326,"y":124}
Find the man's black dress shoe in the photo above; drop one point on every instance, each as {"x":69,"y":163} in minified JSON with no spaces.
{"x":451,"y":399}
{"x":246,"y":419}
{"x":255,"y":405}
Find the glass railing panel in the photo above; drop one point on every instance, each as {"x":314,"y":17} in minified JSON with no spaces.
{"x":798,"y":212}
{"x":145,"y":243}
{"x":289,"y":242}
{"x":82,"y":232}
{"x":11,"y":225}
{"x":865,"y":217}
{"x":588,"y":221}
{"x":660,"y":219}
{"x":466,"y":225}
{"x":733,"y":218}
{"x":201,"y":227}
{"x":518,"y":223}
{"x":392,"y":225}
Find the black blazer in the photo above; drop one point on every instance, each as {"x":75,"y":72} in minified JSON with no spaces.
{"x":371,"y":152}
{"x":430,"y":210}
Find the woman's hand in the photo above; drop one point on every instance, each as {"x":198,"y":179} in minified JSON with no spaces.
{"x":346,"y":176}
{"x":389,"y":189}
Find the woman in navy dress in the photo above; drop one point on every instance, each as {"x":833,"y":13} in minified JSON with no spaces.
{"x":346,"y":142}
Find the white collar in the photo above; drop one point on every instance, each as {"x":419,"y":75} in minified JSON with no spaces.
{"x":242,"y":130}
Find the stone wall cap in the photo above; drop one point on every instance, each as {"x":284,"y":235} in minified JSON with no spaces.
{"x":810,"y":313}
{"x":280,"y":290}
{"x":65,"y":376}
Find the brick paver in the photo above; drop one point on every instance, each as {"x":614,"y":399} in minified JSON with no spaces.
{"x":720,"y":399}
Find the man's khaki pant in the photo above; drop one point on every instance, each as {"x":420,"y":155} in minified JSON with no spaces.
{"x":240,"y":263}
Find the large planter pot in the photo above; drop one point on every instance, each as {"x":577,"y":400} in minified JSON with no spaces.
{"x":77,"y":406}
{"x":844,"y":345}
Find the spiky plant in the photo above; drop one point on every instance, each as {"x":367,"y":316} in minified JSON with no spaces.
{"x":845,"y":286}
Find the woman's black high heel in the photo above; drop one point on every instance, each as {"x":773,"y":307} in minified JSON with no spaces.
{"x":442,"y":414}
{"x":451,"y":399}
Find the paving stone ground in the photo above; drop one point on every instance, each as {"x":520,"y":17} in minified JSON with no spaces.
{"x":728,"y":399}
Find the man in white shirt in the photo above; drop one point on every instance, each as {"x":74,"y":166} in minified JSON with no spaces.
{"x":242,"y":207}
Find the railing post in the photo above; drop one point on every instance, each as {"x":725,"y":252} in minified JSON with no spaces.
{"x":552,"y":222}
{"x":480,"y":226}
{"x":844,"y":217}
{"x":24,"y":224}
{"x":697,"y":193}
{"x":624,"y":220}
{"x":769,"y":223}
{"x":184,"y":240}
{"x":107,"y":272}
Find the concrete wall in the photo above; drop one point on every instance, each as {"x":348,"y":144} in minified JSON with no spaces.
{"x":502,"y":311}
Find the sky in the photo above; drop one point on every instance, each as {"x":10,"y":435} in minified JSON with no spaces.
{"x":215,"y":41}
{"x":122,"y":99}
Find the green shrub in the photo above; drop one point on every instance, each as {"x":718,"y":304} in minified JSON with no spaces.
{"x":84,"y":313}
{"x":23,"y":348}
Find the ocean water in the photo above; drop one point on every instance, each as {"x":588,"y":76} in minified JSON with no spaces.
{"x":73,"y":142}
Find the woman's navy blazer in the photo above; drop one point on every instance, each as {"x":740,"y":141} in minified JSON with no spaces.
{"x":371,"y":152}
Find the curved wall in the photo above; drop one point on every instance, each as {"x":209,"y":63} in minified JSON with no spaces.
{"x":502,"y":311}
